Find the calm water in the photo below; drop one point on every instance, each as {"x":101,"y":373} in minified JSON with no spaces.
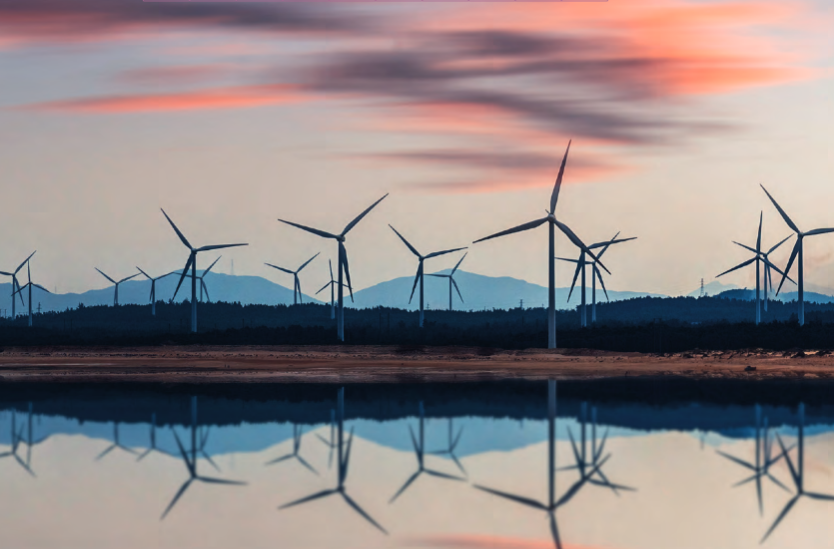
{"x":410,"y":466}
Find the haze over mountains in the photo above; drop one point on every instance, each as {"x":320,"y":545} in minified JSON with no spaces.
{"x":479,"y":292}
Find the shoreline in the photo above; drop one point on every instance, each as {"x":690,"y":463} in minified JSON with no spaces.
{"x":377,"y":364}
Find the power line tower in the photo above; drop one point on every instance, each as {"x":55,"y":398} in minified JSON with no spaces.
{"x":702,"y":288}
{"x":39,"y":307}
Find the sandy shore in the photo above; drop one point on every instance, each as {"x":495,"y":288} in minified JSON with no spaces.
{"x":200,"y":364}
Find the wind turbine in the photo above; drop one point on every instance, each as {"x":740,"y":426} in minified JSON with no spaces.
{"x":29,"y":285}
{"x":797,"y":250}
{"x":116,"y":294}
{"x":202,"y":279}
{"x":190,"y":459}
{"x":552,"y":223}
{"x":759,"y":257}
{"x":296,"y":288}
{"x":768,"y":278}
{"x":420,"y":452}
{"x":552,"y":504}
{"x":16,"y":439}
{"x":15,"y":283}
{"x":153,"y":288}
{"x":342,"y":266}
{"x":152,"y":447}
{"x":797,"y":474}
{"x":296,"y":447}
{"x":116,"y":444}
{"x":451,"y":446}
{"x":344,"y":461}
{"x":581,"y":263}
{"x":419,"y":276}
{"x":451,"y":277}
{"x":332,"y":286}
{"x":192,"y":262}
{"x":763,"y":461}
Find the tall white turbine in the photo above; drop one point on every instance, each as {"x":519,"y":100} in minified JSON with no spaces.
{"x":296,"y":288}
{"x":451,"y":277}
{"x":797,"y":250}
{"x":759,"y":257}
{"x":29,"y":285}
{"x":332,"y":286}
{"x":552,"y":222}
{"x":192,"y":263}
{"x":153,"y":288}
{"x":116,"y":294}
{"x":768,"y":277}
{"x":419,"y":277}
{"x":202,"y":279}
{"x":16,"y":284}
{"x":342,"y":267}
{"x":581,"y":263}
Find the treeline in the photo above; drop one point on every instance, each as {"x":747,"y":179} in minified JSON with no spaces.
{"x":656,"y":325}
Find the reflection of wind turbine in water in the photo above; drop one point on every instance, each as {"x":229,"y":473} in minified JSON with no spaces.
{"x":420,"y":452}
{"x":344,"y":461}
{"x":581,"y":454}
{"x":332,"y":442}
{"x":451,"y":277}
{"x":296,"y":447}
{"x":552,"y":223}
{"x":152,"y":447}
{"x":452,"y":445}
{"x":797,"y":473}
{"x":17,"y":439}
{"x":763,"y":461}
{"x":116,"y":444}
{"x":552,"y":503}
{"x":190,"y":459}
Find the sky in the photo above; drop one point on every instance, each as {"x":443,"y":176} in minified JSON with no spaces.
{"x":233,"y":115}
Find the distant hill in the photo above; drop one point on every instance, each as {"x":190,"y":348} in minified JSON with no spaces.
{"x":222,"y":287}
{"x":479,"y":292}
{"x":712,"y":288}
{"x":750,"y":295}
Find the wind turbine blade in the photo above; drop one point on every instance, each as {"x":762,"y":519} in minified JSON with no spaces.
{"x":279,"y":268}
{"x":444,"y":252}
{"x":554,"y":196}
{"x":212,"y":480}
{"x":579,"y":244}
{"x":790,"y":263}
{"x":569,"y":260}
{"x":787,"y":219}
{"x":184,"y":271}
{"x":303,"y":462}
{"x":317,"y":495}
{"x":524,"y":227}
{"x":404,"y":487}
{"x":144,"y":273}
{"x":779,"y":244}
{"x":205,"y":289}
{"x":554,"y":530}
{"x":330,"y":266}
{"x":218,"y":247}
{"x":128,"y":278}
{"x":41,"y":287}
{"x":745,"y":247}
{"x":279,"y":459}
{"x":361,"y":511}
{"x":512,"y":497}
{"x":307,"y":262}
{"x":177,"y":497}
{"x":736,"y":460}
{"x":781,"y":516}
{"x":777,"y":269}
{"x":25,"y":261}
{"x":579,"y":265}
{"x":212,"y":265}
{"x":822,"y":497}
{"x":819,"y":231}
{"x":455,"y":284}
{"x":739,"y":266}
{"x":106,"y":451}
{"x":324,"y":288}
{"x":179,"y":233}
{"x":104,"y":275}
{"x":346,"y":267}
{"x":416,"y":280}
{"x":458,"y":263}
{"x":318,"y":232}
{"x":439,"y":474}
{"x":359,"y":217}
{"x":406,"y":242}
{"x":601,"y":283}
{"x":759,"y":237}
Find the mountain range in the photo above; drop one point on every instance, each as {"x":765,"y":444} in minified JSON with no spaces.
{"x":479,"y":292}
